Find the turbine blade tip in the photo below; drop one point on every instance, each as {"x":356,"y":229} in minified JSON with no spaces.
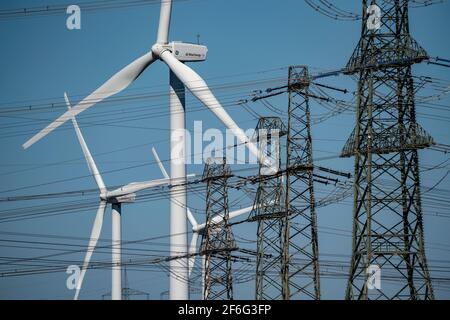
{"x":26,"y":145}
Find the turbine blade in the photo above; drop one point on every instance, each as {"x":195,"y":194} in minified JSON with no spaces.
{"x":114,"y":85}
{"x":219,"y":217}
{"x":200,"y":89}
{"x":192,"y":252}
{"x":164,"y":21}
{"x":87,"y":154}
{"x":191,"y":218}
{"x":161,"y":166}
{"x":95,"y":234}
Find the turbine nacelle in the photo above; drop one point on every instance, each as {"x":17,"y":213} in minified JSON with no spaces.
{"x":183,"y":51}
{"x":127,"y":198}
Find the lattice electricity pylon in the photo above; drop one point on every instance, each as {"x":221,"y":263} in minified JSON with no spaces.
{"x":387,"y":213}
{"x":269,"y":210}
{"x":300,"y":260}
{"x":127,"y":292}
{"x":218,"y":240}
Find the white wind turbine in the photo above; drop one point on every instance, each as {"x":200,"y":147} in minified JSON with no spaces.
{"x":115,"y":197}
{"x":173,"y":54}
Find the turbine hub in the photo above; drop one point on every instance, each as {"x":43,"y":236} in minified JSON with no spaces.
{"x":104,"y":194}
{"x":158,"y":49}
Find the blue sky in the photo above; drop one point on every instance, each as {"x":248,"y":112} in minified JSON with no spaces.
{"x":248,"y":41}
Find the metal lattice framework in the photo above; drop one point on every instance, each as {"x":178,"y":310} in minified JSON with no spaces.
{"x":387,"y":213}
{"x":300,"y":259}
{"x":218,"y":240}
{"x":269,"y":211}
{"x":127,"y":292}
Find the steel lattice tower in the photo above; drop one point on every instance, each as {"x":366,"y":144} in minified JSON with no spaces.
{"x":127,"y":292}
{"x":300,"y":259}
{"x":218,"y":240}
{"x":269,"y":211}
{"x":387,"y":213}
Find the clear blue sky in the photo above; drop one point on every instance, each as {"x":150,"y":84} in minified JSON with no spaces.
{"x":247,"y":40}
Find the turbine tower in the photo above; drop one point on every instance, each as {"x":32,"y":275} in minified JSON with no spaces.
{"x":387,"y":211}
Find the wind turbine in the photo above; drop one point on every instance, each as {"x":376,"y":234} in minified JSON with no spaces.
{"x":125,"y":194}
{"x":173,"y":54}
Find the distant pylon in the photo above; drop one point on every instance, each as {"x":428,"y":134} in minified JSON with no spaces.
{"x":387,"y":212}
{"x":218,"y":240}
{"x":300,"y":259}
{"x":269,"y":211}
{"x":127,"y":292}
